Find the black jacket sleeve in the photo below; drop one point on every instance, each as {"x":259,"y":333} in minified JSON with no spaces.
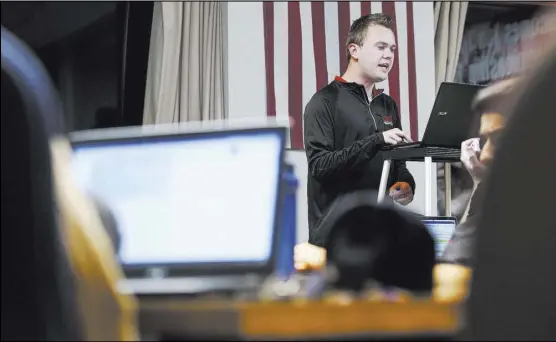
{"x":402,"y":173}
{"x":318,"y":132}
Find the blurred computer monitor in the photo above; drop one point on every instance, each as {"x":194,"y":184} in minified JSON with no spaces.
{"x":188,"y":203}
{"x":441,"y":229}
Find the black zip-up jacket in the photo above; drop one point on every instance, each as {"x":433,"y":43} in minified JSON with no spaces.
{"x":343,"y":134}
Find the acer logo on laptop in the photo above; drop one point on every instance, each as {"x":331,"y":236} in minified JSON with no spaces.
{"x":442,"y":113}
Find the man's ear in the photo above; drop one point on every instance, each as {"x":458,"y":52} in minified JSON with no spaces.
{"x":354,"y":51}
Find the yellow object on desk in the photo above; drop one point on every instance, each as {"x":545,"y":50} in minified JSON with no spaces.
{"x":451,"y":283}
{"x":308,"y":257}
{"x":106,"y":314}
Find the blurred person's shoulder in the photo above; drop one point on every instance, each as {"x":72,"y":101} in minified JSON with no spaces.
{"x":460,"y":249}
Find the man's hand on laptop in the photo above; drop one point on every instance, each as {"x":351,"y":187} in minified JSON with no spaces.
{"x":395,"y":136}
{"x":402,"y":193}
{"x":470,"y":150}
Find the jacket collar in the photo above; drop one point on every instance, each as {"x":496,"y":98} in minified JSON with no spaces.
{"x":375,"y":90}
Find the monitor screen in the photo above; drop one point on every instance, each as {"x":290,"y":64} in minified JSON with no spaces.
{"x":209,"y":198}
{"x":441,"y":230}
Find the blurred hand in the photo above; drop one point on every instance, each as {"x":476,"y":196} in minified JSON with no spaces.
{"x":402,"y":193}
{"x":470,"y":151}
{"x":395,"y":136}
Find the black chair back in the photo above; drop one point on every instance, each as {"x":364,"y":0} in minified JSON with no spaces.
{"x":38,"y":294}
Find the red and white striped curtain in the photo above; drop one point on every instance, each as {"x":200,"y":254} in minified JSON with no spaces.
{"x":305,"y":49}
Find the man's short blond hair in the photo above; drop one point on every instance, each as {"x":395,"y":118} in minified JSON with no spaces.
{"x":358,"y":29}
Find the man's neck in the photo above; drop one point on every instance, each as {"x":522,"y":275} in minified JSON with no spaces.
{"x":353,"y":76}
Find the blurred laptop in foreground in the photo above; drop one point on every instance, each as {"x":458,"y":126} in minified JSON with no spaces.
{"x":197,"y":209}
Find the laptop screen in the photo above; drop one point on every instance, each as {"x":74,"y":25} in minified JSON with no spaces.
{"x":441,"y":229}
{"x":208,"y":198}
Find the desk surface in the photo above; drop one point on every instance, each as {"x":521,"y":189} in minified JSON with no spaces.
{"x":419,"y":154}
{"x":298,"y":319}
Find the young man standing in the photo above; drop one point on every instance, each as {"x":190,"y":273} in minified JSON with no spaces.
{"x":347,"y":122}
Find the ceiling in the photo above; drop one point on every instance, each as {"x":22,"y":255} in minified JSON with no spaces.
{"x":17,"y":14}
{"x":488,"y":11}
{"x":40,"y":23}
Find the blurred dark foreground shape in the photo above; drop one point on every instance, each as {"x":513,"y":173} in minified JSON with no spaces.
{"x":513,"y":294}
{"x":59,"y":272}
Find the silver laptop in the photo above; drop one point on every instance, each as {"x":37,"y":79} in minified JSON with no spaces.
{"x":441,"y":229}
{"x":197,"y":211}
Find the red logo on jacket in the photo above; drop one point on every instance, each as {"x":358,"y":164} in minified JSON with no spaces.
{"x":388,"y":120}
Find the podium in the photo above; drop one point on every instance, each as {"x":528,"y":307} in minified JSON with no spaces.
{"x":428,"y":155}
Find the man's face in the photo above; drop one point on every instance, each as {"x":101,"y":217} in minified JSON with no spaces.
{"x":492,"y":122}
{"x":489,"y":133}
{"x":376,"y":55}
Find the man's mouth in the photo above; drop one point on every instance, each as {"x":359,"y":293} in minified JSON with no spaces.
{"x":384,"y":65}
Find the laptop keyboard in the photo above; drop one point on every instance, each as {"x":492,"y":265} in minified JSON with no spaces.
{"x":442,"y":151}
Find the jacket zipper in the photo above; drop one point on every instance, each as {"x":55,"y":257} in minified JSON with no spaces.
{"x":368,"y":103}
{"x":372,"y":117}
{"x":370,"y":111}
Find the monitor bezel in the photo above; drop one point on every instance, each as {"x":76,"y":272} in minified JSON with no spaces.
{"x":171,"y":270}
{"x":439,"y":218}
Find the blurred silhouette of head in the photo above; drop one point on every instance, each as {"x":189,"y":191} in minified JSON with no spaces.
{"x":367,"y":241}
